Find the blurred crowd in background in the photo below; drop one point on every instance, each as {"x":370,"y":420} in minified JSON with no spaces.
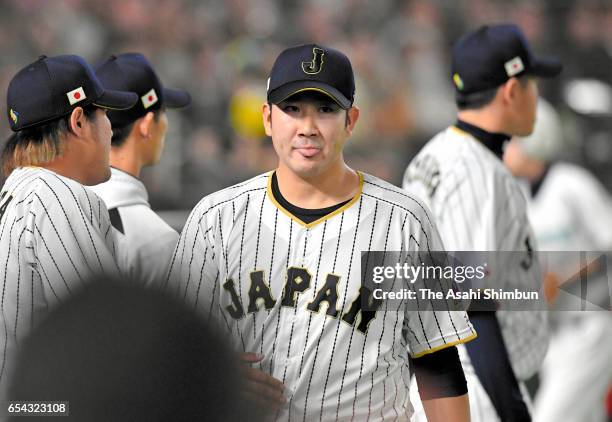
{"x":222,"y":50}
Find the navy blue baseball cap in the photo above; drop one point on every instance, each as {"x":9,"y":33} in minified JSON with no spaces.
{"x":52,"y":87}
{"x":488,"y":57}
{"x":133,"y":72}
{"x":312,"y":67}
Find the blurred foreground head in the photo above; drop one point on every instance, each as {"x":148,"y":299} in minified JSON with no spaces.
{"x":120,"y":353}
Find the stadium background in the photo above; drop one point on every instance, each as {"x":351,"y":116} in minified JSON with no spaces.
{"x":221,"y":52}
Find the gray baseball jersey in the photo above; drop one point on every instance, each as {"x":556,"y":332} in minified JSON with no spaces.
{"x":291,"y":291}
{"x":572,"y":211}
{"x":55,"y":234}
{"x":145,"y":242}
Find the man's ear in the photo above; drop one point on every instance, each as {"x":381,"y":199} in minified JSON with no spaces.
{"x":352,"y":115}
{"x":145,"y":124}
{"x":77,"y":121}
{"x":509,"y":90}
{"x":267,"y":118}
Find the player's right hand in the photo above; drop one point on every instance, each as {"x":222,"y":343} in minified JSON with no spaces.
{"x":265,"y":391}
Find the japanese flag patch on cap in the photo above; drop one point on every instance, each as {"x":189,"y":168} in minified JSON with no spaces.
{"x":52,"y":87}
{"x":514,"y":66}
{"x":149,"y":99}
{"x":76,"y":95}
{"x":489,"y":56}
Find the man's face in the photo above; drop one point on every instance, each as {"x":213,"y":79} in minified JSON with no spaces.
{"x":99,"y":131}
{"x":158,"y":136}
{"x":308,"y":132}
{"x":525,"y":106}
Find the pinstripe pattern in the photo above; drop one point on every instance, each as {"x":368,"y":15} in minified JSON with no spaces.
{"x":478,"y":206}
{"x":332,"y":370}
{"x":54,"y":236}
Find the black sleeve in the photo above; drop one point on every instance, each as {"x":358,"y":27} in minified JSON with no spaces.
{"x":492,"y":365}
{"x":440,"y":374}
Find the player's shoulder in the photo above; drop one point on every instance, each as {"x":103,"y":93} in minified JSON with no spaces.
{"x":122,"y":189}
{"x":565,"y":172}
{"x":45,"y":193}
{"x":141,"y":226}
{"x":451,"y":159}
{"x":469,"y":157}
{"x":391,"y":195}
{"x":233,"y":196}
{"x":454,"y":149}
{"x":450,"y":137}
{"x":572,"y":180}
{"x":43,"y":183}
{"x":383,"y":190}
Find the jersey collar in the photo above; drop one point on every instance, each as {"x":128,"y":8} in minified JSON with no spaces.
{"x":121,"y":190}
{"x":337,"y":211}
{"x":493,"y":141}
{"x":304,"y":214}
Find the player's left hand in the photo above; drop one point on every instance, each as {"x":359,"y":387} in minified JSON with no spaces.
{"x":265,"y":391}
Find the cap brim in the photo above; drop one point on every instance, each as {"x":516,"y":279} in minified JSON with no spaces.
{"x":176,"y":98}
{"x":546,"y":67}
{"x":116,"y":100}
{"x":288,"y":90}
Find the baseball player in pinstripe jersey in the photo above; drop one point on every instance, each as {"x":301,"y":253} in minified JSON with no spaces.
{"x":55,"y":234}
{"x":479,"y":206}
{"x":145,"y":242}
{"x":276,"y":260}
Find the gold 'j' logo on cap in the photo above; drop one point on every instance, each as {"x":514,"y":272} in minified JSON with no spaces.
{"x":458,"y":82}
{"x":14,"y":116}
{"x":316,"y":64}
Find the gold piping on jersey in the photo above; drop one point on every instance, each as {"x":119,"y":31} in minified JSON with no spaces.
{"x":446,"y":345}
{"x":322,"y":219}
{"x":459,"y":131}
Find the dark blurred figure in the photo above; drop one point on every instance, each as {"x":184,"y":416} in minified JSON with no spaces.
{"x":120,"y":353}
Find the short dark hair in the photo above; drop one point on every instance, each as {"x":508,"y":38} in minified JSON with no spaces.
{"x":38,"y":144}
{"x":121,"y":133}
{"x":480,"y":99}
{"x":475,"y":100}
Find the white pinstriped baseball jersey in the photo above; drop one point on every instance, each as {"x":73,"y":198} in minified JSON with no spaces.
{"x":145,"y":242}
{"x":479,"y":206}
{"x":290,"y":291}
{"x":55,"y":234}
